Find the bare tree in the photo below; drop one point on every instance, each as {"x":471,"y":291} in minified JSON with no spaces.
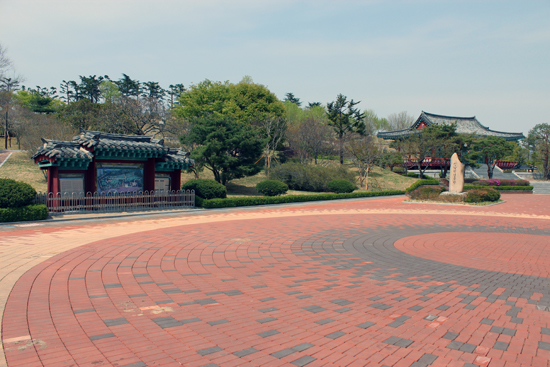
{"x":364,"y":152}
{"x":399,"y":121}
{"x":6,"y":67}
{"x":273,"y":130}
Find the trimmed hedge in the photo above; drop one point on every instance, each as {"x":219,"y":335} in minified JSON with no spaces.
{"x":24,"y":213}
{"x":341,"y":186}
{"x":206,"y":189}
{"x":15,"y":194}
{"x":271,"y":188}
{"x":426,"y":193}
{"x":263,"y":200}
{"x":499,"y":188}
{"x":504,"y":182}
{"x":480,"y":195}
{"x":427,"y":181}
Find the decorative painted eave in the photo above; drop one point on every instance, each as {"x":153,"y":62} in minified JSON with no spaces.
{"x":175,"y":159}
{"x":465,"y":125}
{"x":63,"y":154}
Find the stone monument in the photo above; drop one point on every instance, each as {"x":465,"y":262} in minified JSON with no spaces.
{"x":456,"y":180}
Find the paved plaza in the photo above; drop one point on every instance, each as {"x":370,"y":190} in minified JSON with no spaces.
{"x":370,"y":282}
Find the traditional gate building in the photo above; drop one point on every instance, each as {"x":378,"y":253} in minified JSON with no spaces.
{"x":464,"y":125}
{"x":103,"y":163}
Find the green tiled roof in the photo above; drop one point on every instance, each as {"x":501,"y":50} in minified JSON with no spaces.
{"x":89,"y":144}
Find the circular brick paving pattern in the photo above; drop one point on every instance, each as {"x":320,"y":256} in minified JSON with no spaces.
{"x":331,"y":290}
{"x":503,"y":252}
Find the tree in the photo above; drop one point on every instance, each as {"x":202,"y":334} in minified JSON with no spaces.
{"x":421,"y":144}
{"x":310,"y":134}
{"x":290,"y":98}
{"x":89,"y":87}
{"x":109,"y":91}
{"x":38,"y":102}
{"x":128,"y":87}
{"x":6,"y":68}
{"x":365,"y":152}
{"x":244,"y":102}
{"x":272,"y":132}
{"x":345,"y":119}
{"x":491,"y":149}
{"x":175,"y":91}
{"x":228,"y":148}
{"x":399,"y":121}
{"x":375,"y":123}
{"x":540,"y":135}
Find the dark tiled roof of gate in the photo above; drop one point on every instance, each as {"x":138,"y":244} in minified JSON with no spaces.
{"x":101,"y":140}
{"x":466,"y":125}
{"x":62,"y":149}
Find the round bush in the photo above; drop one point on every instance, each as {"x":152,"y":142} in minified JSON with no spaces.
{"x":426,"y":193}
{"x":308,"y":177}
{"x":15,"y":194}
{"x":341,"y":186}
{"x":272,"y":188}
{"x":479,"y":195}
{"x":206,"y":189}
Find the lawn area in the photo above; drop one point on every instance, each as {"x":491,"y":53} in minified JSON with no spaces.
{"x":20,"y":167}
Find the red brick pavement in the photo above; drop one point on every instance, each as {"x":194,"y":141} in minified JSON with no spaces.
{"x":338,"y":284}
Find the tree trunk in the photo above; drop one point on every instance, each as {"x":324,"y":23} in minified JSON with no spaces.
{"x":490,"y":169}
{"x":367,"y":180}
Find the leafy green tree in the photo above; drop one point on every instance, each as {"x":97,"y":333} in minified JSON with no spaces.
{"x":109,"y":91}
{"x":491,"y":149}
{"x":292,"y":99}
{"x":37,"y":102}
{"x":345,"y":119}
{"x":228,"y":148}
{"x":375,"y":123}
{"x":175,"y":91}
{"x":244,"y":102}
{"x":153,"y":90}
{"x":540,"y":135}
{"x":89,"y":87}
{"x":128,"y":87}
{"x":313,"y":104}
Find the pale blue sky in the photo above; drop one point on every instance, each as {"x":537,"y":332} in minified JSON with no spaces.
{"x":461,"y":58}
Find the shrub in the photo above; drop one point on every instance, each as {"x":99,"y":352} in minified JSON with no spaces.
{"x":308,"y":177}
{"x":412,"y":174}
{"x":416,"y":184}
{"x":15,"y":194}
{"x":426,"y":193}
{"x":499,"y":188}
{"x":206,"y":189}
{"x":479,"y":195}
{"x":262,"y":200}
{"x":24,"y":213}
{"x":504,"y":182}
{"x":341,"y":186}
{"x":272,"y":188}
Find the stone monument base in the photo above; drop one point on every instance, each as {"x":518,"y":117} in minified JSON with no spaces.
{"x":448,"y":193}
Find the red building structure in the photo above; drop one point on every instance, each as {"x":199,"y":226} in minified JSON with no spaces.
{"x":103,"y":163}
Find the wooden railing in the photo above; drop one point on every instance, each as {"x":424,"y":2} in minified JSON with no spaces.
{"x":67,"y":203}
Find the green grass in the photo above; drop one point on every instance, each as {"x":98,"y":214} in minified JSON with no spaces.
{"x":20,"y":167}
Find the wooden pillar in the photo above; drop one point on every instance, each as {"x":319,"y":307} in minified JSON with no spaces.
{"x":53,"y":180}
{"x":149,"y":175}
{"x":175,"y":180}
{"x":90,"y":178}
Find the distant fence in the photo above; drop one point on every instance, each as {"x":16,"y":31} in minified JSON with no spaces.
{"x":72,"y":203}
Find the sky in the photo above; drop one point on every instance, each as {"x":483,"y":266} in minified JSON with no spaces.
{"x":459,"y":58}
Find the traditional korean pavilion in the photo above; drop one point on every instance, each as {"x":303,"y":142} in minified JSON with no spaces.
{"x":111,"y":163}
{"x":466,"y":125}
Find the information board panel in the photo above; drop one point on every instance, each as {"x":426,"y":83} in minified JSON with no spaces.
{"x":119,"y":177}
